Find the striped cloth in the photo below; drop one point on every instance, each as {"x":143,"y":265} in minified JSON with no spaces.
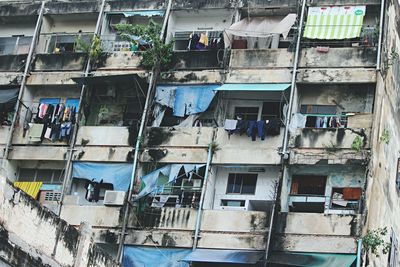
{"x":334,"y":23}
{"x":31,"y":188}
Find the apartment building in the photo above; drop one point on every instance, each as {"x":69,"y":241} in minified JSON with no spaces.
{"x":269,"y":140}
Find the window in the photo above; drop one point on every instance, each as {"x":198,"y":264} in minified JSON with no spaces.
{"x":47,"y":176}
{"x":308,"y":185}
{"x":247,"y":113}
{"x":242,"y":183}
{"x":345,"y":198}
{"x":232,"y":203}
{"x":393,"y":258}
{"x":271,"y":110}
{"x":398,"y":175}
{"x":314,"y":110}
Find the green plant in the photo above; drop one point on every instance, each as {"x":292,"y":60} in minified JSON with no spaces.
{"x":93,"y":49}
{"x":357,"y":143}
{"x":373,"y":241}
{"x":214,"y":147}
{"x":385,"y":136}
{"x":158,"y":53}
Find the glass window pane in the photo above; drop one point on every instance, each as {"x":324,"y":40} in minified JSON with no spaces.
{"x":231,"y":183}
{"x":44,"y":176}
{"x":26,"y":175}
{"x":249,"y":183}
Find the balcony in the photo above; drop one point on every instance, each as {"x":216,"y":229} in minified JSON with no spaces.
{"x":176,"y":144}
{"x":201,"y":4}
{"x":260,"y":66}
{"x":103,"y":143}
{"x":251,"y":152}
{"x":333,"y":145}
{"x":342,"y":2}
{"x":197,"y":60}
{"x":122,"y":5}
{"x":74,"y":61}
{"x":175,"y":227}
{"x":299,"y":232}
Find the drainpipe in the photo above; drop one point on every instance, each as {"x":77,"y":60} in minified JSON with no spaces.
{"x":23,"y":82}
{"x":152,"y":81}
{"x":293,"y":84}
{"x":379,"y":53}
{"x":203,"y":193}
{"x":67,"y":173}
{"x":359,"y":245}
{"x":271,"y":222}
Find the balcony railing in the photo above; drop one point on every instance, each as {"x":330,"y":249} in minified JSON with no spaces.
{"x":58,"y":43}
{"x":15,"y":45}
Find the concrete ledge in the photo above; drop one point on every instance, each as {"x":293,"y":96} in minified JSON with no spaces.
{"x":10,"y":78}
{"x":101,"y":154}
{"x":194,"y":77}
{"x":259,"y":76}
{"x":103,"y":135}
{"x":53,"y":78}
{"x":315,"y":156}
{"x":343,"y":75}
{"x":96,"y":216}
{"x":38,"y":153}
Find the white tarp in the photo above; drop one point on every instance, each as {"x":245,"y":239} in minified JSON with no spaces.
{"x":263,"y":26}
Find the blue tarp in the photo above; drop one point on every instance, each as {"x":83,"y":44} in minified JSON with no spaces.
{"x":171,"y":171}
{"x":154,"y":257}
{"x":225,"y":256}
{"x":50,"y":101}
{"x":117,"y":174}
{"x":253,"y":87}
{"x":72,"y":102}
{"x":8,"y":95}
{"x":144,"y":13}
{"x":186,"y":99}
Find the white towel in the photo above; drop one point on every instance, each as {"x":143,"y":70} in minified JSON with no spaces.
{"x":230,"y":124}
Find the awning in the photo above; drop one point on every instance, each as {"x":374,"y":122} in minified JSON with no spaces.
{"x":154,"y":257}
{"x":31,"y":188}
{"x":105,"y":79}
{"x":312,"y":259}
{"x":144,"y":13}
{"x":151,"y":181}
{"x":185,"y":99}
{"x":225,"y":256}
{"x":253,"y":87}
{"x":262,"y":26}
{"x":117,"y":174}
{"x":330,"y":23}
{"x":8,"y":95}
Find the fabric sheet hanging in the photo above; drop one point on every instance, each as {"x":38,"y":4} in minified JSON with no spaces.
{"x":334,"y":23}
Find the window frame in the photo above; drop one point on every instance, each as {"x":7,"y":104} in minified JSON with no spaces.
{"x":235,"y":175}
{"x":54,"y":179}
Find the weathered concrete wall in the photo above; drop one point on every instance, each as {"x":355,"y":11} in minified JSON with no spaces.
{"x":315,"y":243}
{"x":329,"y":139}
{"x":103,"y":136}
{"x":10,"y":78}
{"x":318,"y":224}
{"x":59,"y":62}
{"x":179,"y":136}
{"x":334,"y":75}
{"x":259,"y":76}
{"x":203,"y":4}
{"x":382,"y":202}
{"x":31,"y":231}
{"x":261,"y":58}
{"x":3,"y":134}
{"x":97,"y":216}
{"x":346,"y":57}
{"x":121,"y":60}
{"x":205,"y":76}
{"x":38,"y":153}
{"x":103,"y":153}
{"x":174,"y":227}
{"x":10,"y":63}
{"x":53,"y":78}
{"x":19,"y":9}
{"x":251,"y":152}
{"x":121,"y":5}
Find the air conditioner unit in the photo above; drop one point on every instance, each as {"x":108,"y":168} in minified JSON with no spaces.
{"x":193,"y":184}
{"x":114,"y":198}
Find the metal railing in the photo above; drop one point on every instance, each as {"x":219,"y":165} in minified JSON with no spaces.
{"x":15,"y":45}
{"x":64,"y":42}
{"x":115,"y":43}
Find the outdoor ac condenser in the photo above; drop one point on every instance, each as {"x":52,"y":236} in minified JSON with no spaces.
{"x":114,"y":198}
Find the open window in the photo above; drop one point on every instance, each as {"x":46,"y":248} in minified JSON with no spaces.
{"x":307,"y":193}
{"x":323,"y":116}
{"x":345,"y":198}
